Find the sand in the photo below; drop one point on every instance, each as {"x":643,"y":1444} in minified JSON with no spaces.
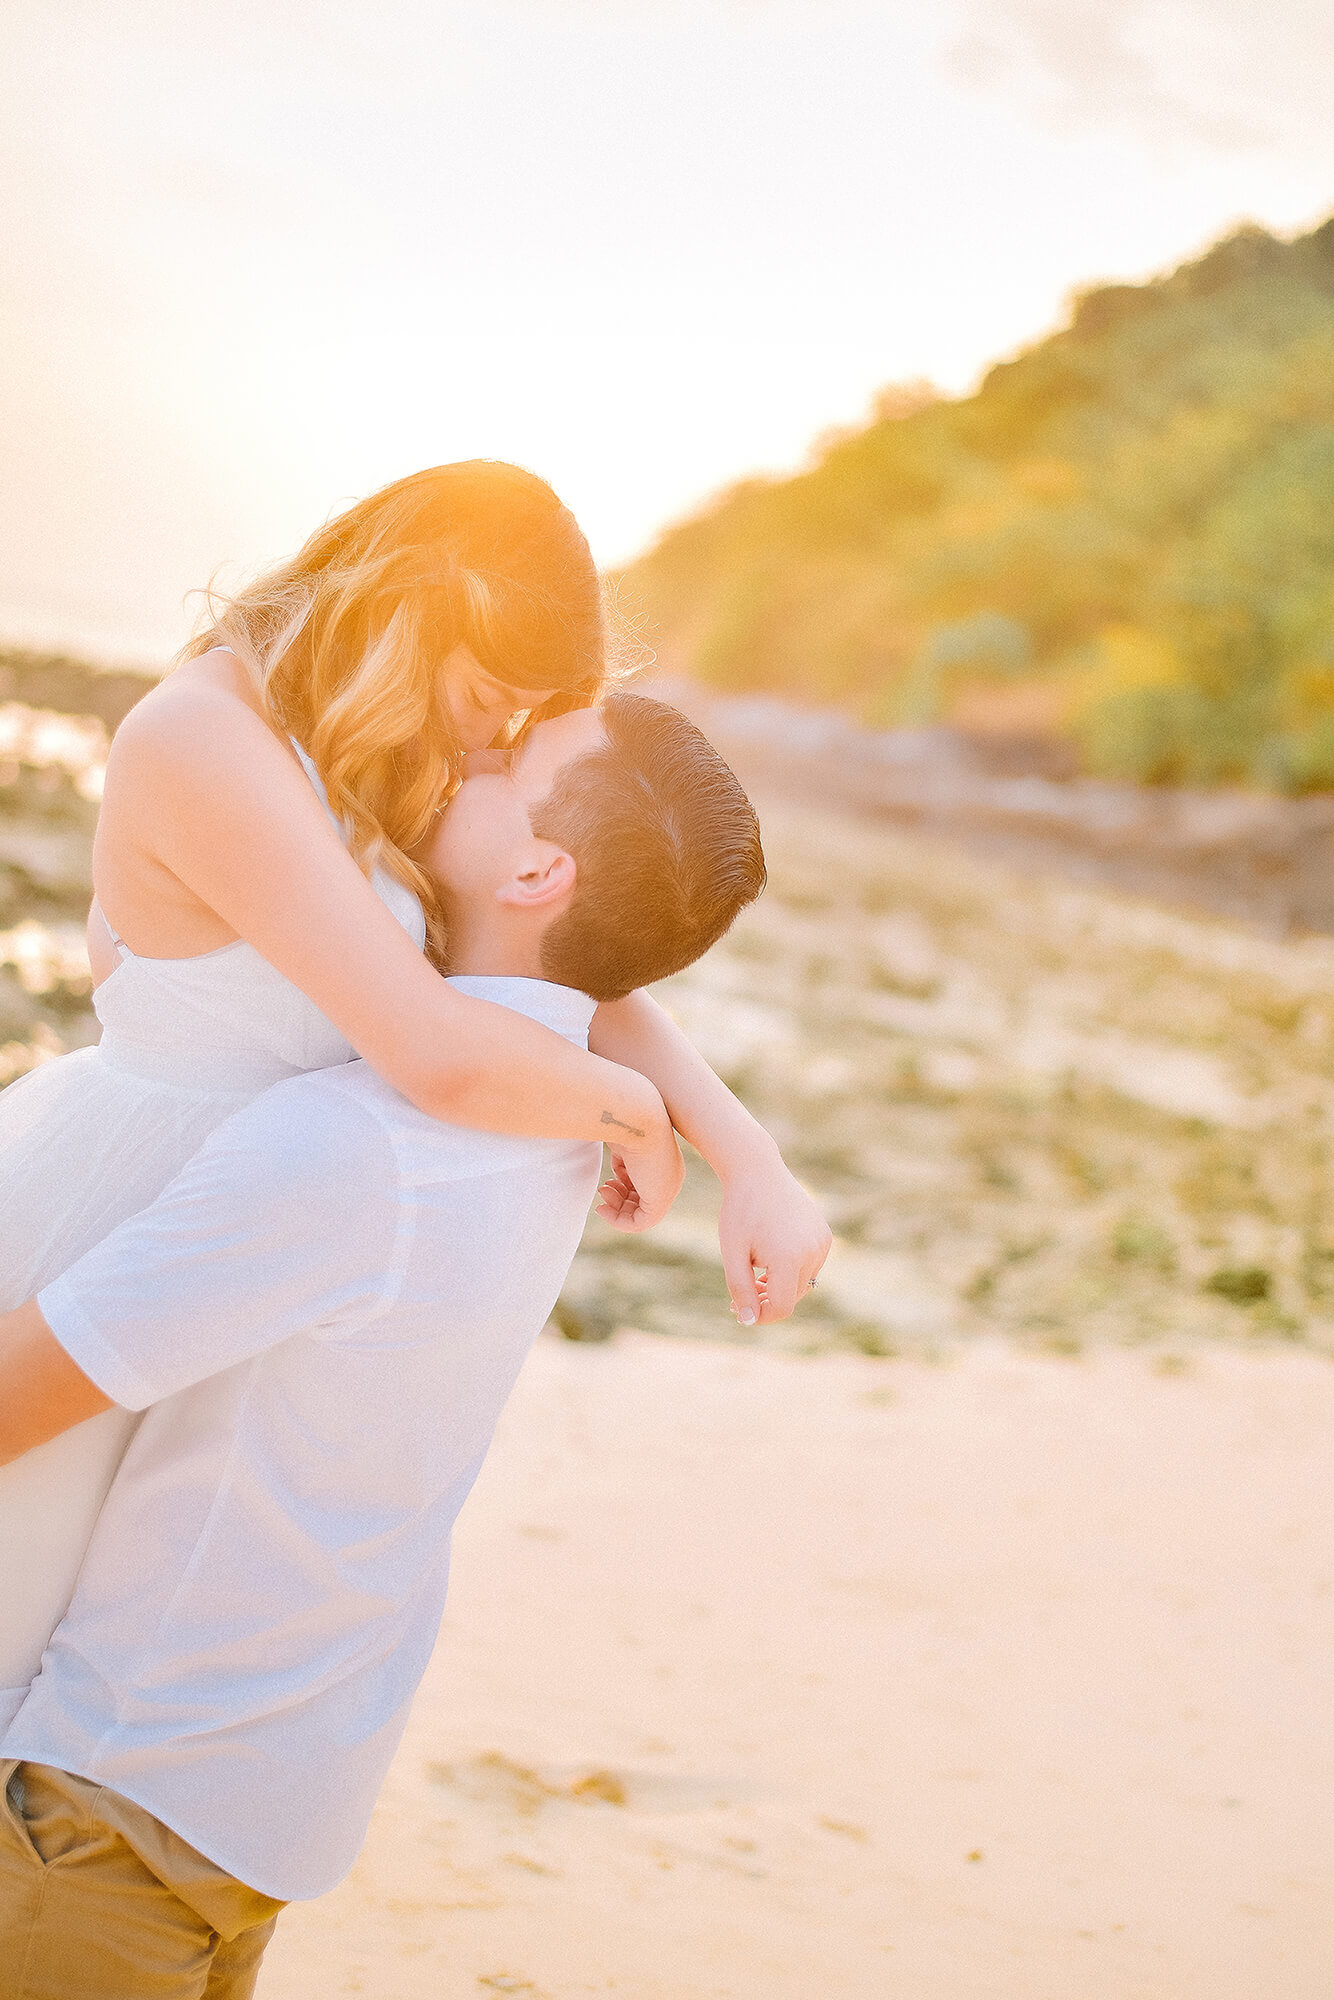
{"x":831,"y":1678}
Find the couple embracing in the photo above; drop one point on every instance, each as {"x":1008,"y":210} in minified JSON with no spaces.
{"x":272,"y":1254}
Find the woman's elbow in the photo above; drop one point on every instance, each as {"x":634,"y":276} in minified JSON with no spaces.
{"x":443,"y":1087}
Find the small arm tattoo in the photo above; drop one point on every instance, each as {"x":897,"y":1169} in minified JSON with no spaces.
{"x":607,"y":1119}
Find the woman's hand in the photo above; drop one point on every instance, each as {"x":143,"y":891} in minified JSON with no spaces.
{"x":774,"y":1239}
{"x":769,"y":1224}
{"x":643,"y":1184}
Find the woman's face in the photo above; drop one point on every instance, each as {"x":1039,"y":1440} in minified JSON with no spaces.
{"x":478,"y":703}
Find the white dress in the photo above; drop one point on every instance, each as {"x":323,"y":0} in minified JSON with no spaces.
{"x":86,"y":1141}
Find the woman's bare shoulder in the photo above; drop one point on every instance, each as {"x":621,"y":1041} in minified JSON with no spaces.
{"x":201,"y":718}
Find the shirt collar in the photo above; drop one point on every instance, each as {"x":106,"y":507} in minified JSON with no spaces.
{"x":560,"y":1007}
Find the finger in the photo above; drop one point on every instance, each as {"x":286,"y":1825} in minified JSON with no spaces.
{"x":632,"y":1220}
{"x":810,"y":1271}
{"x":747,"y":1301}
{"x":630,"y":1216}
{"x":619,"y":1204}
{"x":821,"y":1257}
{"x":783,"y":1287}
{"x":613,"y":1195}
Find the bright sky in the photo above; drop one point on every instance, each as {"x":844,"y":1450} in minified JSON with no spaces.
{"x":260,"y":256}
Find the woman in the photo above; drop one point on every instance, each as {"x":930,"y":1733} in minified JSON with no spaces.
{"x":258,"y":912}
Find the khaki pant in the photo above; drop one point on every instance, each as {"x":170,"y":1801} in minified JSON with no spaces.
{"x":100,"y":1901}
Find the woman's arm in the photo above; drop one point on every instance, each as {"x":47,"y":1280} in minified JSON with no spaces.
{"x":235,"y":821}
{"x":768,"y":1221}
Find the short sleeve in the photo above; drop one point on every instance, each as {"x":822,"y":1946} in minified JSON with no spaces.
{"x":286,"y":1222}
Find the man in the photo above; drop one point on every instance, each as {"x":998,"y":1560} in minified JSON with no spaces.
{"x":322,"y":1317}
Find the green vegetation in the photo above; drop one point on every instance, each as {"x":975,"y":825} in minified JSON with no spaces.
{"x":1126,"y":538}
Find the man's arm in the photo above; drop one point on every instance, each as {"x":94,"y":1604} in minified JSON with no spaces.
{"x":42,"y":1392}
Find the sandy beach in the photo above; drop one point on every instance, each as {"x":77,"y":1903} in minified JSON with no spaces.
{"x":778,"y":1677}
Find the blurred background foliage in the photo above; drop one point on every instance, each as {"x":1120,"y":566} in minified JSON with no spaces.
{"x":1124,"y":540}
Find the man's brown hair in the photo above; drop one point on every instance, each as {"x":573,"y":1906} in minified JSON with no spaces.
{"x":667,"y":847}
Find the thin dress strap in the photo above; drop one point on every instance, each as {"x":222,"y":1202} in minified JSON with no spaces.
{"x":317,"y":785}
{"x":308,"y":766}
{"x":114,"y":935}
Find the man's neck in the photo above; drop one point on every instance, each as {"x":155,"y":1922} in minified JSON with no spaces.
{"x":480,"y":945}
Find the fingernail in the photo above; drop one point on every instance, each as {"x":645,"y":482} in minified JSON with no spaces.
{"x":746,"y":1316}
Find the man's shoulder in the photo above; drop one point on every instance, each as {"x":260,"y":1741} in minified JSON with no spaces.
{"x":341,"y":1120}
{"x":322,"y":1120}
{"x":342,"y":1107}
{"x":428,"y":1148}
{"x":353,"y":1093}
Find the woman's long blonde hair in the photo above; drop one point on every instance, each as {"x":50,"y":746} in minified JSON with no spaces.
{"x":345,"y":641}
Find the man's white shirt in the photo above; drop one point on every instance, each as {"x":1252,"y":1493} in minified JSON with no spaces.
{"x":322,"y":1317}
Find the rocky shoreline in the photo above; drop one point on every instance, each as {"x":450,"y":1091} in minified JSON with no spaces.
{"x":1258,"y":858}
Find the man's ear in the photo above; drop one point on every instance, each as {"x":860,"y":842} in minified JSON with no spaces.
{"x":546,"y":876}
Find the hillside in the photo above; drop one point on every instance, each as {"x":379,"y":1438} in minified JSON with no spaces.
{"x":1125,"y":538}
